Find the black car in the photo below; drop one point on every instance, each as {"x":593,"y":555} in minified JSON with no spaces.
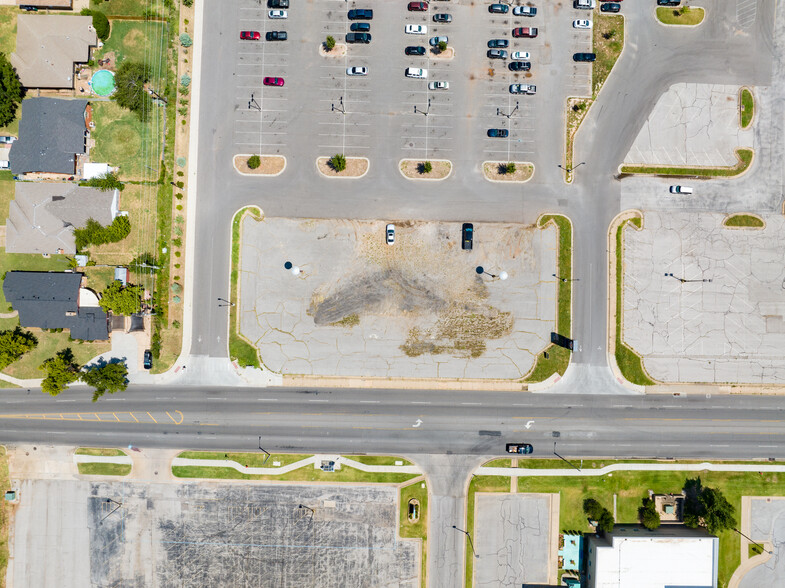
{"x":360,"y":27}
{"x":498,"y":8}
{"x":276,"y":36}
{"x":498,"y":44}
{"x":584,"y":57}
{"x":520,"y":448}
{"x":148,"y":359}
{"x":360,"y":14}
{"x":668,"y":2}
{"x":497,"y":54}
{"x":610,"y":7}
{"x":278,"y":4}
{"x":499,"y":133}
{"x":520,"y":65}
{"x":442,"y":17}
{"x":414,"y":50}
{"x":358,"y":37}
{"x":467,"y":236}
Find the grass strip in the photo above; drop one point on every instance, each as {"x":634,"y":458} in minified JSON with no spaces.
{"x":5,"y":516}
{"x":254,"y":460}
{"x":104,"y":469}
{"x":418,"y":530}
{"x":686,"y":15}
{"x":379,"y":460}
{"x":744,"y":157}
{"x":478,"y":484}
{"x":629,"y":362}
{"x":607,"y":43}
{"x":239,"y":348}
{"x":100,"y":451}
{"x":747,"y":110}
{"x":304,"y":474}
{"x":744,"y":220}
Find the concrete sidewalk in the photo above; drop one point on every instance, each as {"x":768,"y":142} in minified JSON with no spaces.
{"x":622,"y":467}
{"x":314,"y":460}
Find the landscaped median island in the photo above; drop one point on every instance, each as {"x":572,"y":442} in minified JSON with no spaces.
{"x":413,"y":520}
{"x":508,"y":171}
{"x":240,"y":349}
{"x":747,"y":221}
{"x":99,"y":467}
{"x":340,"y":166}
{"x":744,"y":160}
{"x":418,"y":169}
{"x":746,"y":108}
{"x":259,"y":165}
{"x":681,"y":15}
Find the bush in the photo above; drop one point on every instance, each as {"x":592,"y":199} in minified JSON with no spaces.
{"x":338,"y":162}
{"x":181,"y":161}
{"x":329,"y":43}
{"x":509,"y":168}
{"x":426,"y":167}
{"x":185,"y":40}
{"x":105,"y":183}
{"x":122,"y":299}
{"x":96,"y":234}
{"x":254,"y":161}
{"x":648,"y":515}
{"x":130,"y":93}
{"x":442,"y":46}
{"x":185,"y":80}
{"x":101,"y":25}
{"x":188,"y":3}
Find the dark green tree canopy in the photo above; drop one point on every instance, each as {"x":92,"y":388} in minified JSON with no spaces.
{"x":11,"y":91}
{"x":707,"y":507}
{"x":14,"y":344}
{"x":122,"y":300}
{"x":98,"y":234}
{"x":648,"y":514}
{"x":130,"y":92}
{"x":61,"y":370}
{"x":106,"y":378}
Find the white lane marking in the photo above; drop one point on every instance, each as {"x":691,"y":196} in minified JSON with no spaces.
{"x":529,"y":424}
{"x":267,"y":399}
{"x":417,"y":423}
{"x":419,"y":402}
{"x":471,"y":403}
{"x":370,"y":401}
{"x":317,"y":400}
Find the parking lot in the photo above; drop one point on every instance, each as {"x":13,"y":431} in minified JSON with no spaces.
{"x":320,"y":110}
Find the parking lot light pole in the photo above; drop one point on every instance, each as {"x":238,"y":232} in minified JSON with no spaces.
{"x":569,"y":169}
{"x":426,"y":111}
{"x":340,"y":108}
{"x":566,"y":279}
{"x":500,"y":113}
{"x":685,"y":281}
{"x":469,"y":535}
{"x":225,"y":302}
{"x":253,"y":104}
{"x":753,"y":542}
{"x":563,"y":459}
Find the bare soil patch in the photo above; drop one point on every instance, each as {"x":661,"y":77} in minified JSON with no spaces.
{"x":495,"y":171}
{"x":356,"y":167}
{"x":338,"y":51}
{"x":271,"y":165}
{"x":412,"y":168}
{"x":448,"y":53}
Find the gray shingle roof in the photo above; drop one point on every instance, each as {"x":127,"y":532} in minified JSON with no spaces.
{"x":51,"y":133}
{"x":50,"y":300}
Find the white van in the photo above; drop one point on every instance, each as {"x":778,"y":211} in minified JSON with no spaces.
{"x":416,"y":72}
{"x":681,"y":190}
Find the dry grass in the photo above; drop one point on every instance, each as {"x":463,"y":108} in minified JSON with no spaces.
{"x":608,"y":37}
{"x":6,"y":512}
{"x":355,"y":167}
{"x":140,"y":204}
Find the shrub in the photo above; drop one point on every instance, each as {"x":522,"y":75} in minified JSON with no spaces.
{"x":254,"y":161}
{"x":11,"y":91}
{"x":185,"y":40}
{"x":185,"y":80}
{"x":509,"y":168}
{"x":442,"y":46}
{"x":97,"y":234}
{"x":101,"y":25}
{"x":329,"y":43}
{"x":648,"y":515}
{"x":105,"y":183}
{"x":121,"y":299}
{"x":181,"y":160}
{"x":188,"y":3}
{"x":338,"y":162}
{"x":426,"y":167}
{"x":180,"y":184}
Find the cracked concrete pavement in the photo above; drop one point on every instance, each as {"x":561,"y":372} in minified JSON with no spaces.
{"x":767,"y":525}
{"x":692,"y":124}
{"x":414,"y":309}
{"x":726,"y":329}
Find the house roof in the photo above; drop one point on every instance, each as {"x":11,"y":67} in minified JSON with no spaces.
{"x":46,"y":3}
{"x":48,"y":45}
{"x":49,"y":300}
{"x":42,"y":217}
{"x":51,"y":133}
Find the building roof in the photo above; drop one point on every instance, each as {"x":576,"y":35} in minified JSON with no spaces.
{"x":49,"y":300}
{"x":62,"y":4}
{"x":42,"y":217}
{"x":48,"y":45}
{"x":52,"y":131}
{"x":670,"y":556}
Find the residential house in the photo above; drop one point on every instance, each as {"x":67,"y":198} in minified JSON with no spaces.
{"x":48,"y":46}
{"x":672,"y":555}
{"x":52,"y":133}
{"x":45,"y":4}
{"x":43,"y":215}
{"x":55,"y":300}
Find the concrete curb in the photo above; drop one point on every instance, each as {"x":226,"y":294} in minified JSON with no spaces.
{"x":752,"y":214}
{"x":300,"y":380}
{"x":283,"y":169}
{"x":415,"y":179}
{"x":681,"y":26}
{"x":754,"y":108}
{"x":508,"y":181}
{"x":327,"y":158}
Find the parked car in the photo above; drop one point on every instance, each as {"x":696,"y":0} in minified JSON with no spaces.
{"x":250,"y":35}
{"x":680,"y":190}
{"x":585,"y":4}
{"x":581,"y":23}
{"x":278,"y":4}
{"x":529,"y":32}
{"x":439,"y":86}
{"x":357,"y":71}
{"x":520,"y":65}
{"x":498,"y":8}
{"x":436,"y":40}
{"x":276,"y":36}
{"x":414,"y":50}
{"x":417,"y":6}
{"x":498,"y":133}
{"x":498,"y":44}
{"x":497,"y":54}
{"x":521,"y":55}
{"x":148,"y":359}
{"x":584,"y":57}
{"x":519,"y":448}
{"x":523,"y":89}
{"x":524,"y":11}
{"x":273,"y":81}
{"x":389,"y":232}
{"x":360,"y":14}
{"x":467,"y":236}
{"x":413,"y":29}
{"x":416,"y":72}
{"x":360,"y":27}
{"x":442,"y":17}
{"x":278,"y":14}
{"x":668,"y":2}
{"x":358,"y":37}
{"x":610,"y":7}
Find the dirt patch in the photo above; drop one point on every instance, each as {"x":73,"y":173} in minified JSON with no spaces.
{"x":448,"y":53}
{"x":495,"y":171}
{"x":356,"y":167}
{"x":271,"y":165}
{"x":414,"y":169}
{"x":338,"y":51}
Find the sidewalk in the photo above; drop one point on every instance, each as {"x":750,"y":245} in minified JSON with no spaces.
{"x":314,"y":460}
{"x":622,"y":467}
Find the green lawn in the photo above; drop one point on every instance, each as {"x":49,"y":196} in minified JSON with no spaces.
{"x":382,"y":460}
{"x":418,"y":530}
{"x":631,"y":487}
{"x":104,"y":469}
{"x":608,"y":42}
{"x":239,"y":348}
{"x":479,"y":484}
{"x":744,"y":157}
{"x":140,"y":203}
{"x":8,"y":29}
{"x":135,"y":41}
{"x":98,"y":278}
{"x":691,"y":15}
{"x":744,"y":220}
{"x":126,"y":7}
{"x":100,"y":451}
{"x":7,"y":187}
{"x":123,"y":141}
{"x":48,"y":345}
{"x":498,"y":463}
{"x":747,"y":109}
{"x":255,"y":460}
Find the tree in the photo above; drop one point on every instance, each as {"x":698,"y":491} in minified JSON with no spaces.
{"x":130,"y":91}
{"x":509,"y":168}
{"x":61,"y":370}
{"x":93,"y":232}
{"x":648,"y":515}
{"x":101,"y":24}
{"x":14,"y":344}
{"x":121,"y":299}
{"x":708,"y":507}
{"x":11,"y":91}
{"x":605,"y":522}
{"x":106,"y":378}
{"x":108,"y":181}
{"x":597,"y":512}
{"x":254,"y":161}
{"x":338,"y":162}
{"x":185,"y":40}
{"x":329,"y":43}
{"x":442,"y":46}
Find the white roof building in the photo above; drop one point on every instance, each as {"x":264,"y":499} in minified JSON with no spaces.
{"x":670,"y":556}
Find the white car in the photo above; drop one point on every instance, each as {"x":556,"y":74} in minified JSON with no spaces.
{"x":278,"y":14}
{"x":356,"y":71}
{"x":416,"y":72}
{"x":524,"y":11}
{"x":680,"y":190}
{"x":416,"y":29}
{"x":439,"y":86}
{"x":581,"y":23}
{"x":390,"y":232}
{"x":521,"y":56}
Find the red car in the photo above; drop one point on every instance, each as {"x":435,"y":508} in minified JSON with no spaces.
{"x":273,"y":81}
{"x":525,"y":32}
{"x":250,"y":35}
{"x":418,"y":6}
